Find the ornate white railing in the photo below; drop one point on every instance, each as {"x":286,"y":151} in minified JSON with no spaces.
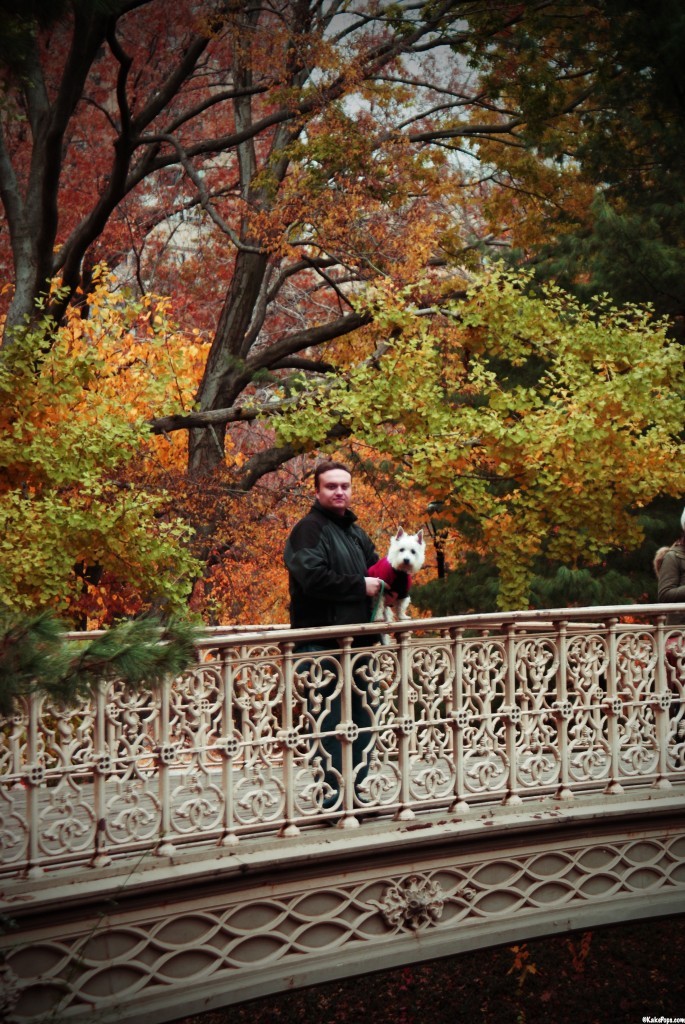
{"x":452,"y":713}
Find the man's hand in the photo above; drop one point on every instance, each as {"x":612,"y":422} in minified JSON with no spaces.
{"x":373,"y":586}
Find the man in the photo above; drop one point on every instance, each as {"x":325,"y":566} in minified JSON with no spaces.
{"x":327,"y":555}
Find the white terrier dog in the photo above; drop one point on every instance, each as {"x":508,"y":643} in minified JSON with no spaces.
{"x":404,"y":559}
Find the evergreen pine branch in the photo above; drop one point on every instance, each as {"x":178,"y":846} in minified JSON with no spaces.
{"x":37,"y":656}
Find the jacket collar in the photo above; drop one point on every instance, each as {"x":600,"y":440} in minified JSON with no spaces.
{"x":344,"y":521}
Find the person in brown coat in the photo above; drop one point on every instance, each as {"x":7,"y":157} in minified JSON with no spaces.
{"x":671,"y":575}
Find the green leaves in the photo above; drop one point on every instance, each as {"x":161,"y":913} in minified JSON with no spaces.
{"x":546,"y":422}
{"x":71,"y":430}
{"x":36,"y":655}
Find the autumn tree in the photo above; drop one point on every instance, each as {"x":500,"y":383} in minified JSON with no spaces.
{"x":293,"y":151}
{"x":281,"y":169}
{"x":543,"y":423}
{"x":609,"y":175}
{"x":75,"y":536}
{"x":624,"y":575}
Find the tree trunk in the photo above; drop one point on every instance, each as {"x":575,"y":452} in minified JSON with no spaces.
{"x":225,"y":375}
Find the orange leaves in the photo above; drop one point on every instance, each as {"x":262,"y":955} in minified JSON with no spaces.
{"x":70,"y":452}
{"x":579,"y":951}
{"x":522,"y":966}
{"x":245,"y":580}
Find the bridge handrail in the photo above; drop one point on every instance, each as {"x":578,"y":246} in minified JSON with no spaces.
{"x":530,"y":618}
{"x":455,"y":712}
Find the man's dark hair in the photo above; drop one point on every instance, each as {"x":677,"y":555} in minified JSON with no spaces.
{"x":325,"y":467}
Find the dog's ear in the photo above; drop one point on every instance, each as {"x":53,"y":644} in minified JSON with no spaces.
{"x":400,"y":533}
{"x":419,"y":536}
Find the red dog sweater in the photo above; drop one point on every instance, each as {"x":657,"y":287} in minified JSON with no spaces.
{"x":396,"y":580}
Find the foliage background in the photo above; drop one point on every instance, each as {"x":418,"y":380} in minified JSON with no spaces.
{"x":306,"y":216}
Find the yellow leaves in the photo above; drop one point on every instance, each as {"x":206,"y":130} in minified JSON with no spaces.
{"x":137,"y":360}
{"x":72,"y":436}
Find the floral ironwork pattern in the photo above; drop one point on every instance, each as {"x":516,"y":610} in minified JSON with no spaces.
{"x":262,"y":736}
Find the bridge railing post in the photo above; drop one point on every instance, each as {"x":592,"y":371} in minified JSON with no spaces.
{"x":460,"y":721}
{"x":229,"y":745}
{"x":288,"y":739}
{"x":102,"y":767}
{"x":511,"y":713}
{"x":165,"y":756}
{"x":33,"y":779}
{"x":347,"y":733}
{"x":563,"y":712}
{"x":448,"y":700}
{"x":405,"y":736}
{"x":663,"y":699}
{"x":613,"y":708}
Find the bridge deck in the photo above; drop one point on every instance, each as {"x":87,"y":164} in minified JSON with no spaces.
{"x":515,"y":778}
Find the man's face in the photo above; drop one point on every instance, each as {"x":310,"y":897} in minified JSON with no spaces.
{"x":335,"y":490}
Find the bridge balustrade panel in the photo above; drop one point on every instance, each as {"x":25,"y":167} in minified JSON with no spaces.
{"x":454,"y":713}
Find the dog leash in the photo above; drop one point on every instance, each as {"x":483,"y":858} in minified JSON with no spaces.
{"x":378,"y":601}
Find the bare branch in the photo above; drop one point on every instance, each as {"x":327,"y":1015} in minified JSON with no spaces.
{"x":308,"y":338}
{"x":203,"y":194}
{"x":272,"y":459}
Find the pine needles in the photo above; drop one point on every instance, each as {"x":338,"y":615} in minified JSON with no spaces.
{"x":36,"y":655}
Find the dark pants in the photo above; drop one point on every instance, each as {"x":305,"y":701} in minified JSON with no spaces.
{"x":324,"y":703}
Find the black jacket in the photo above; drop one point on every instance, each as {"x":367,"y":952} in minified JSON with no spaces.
{"x":327,"y":556}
